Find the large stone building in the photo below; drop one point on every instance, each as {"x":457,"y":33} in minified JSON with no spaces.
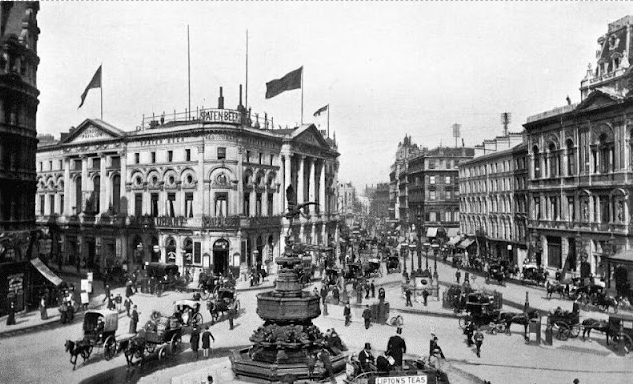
{"x":378,"y":200}
{"x":492,"y":207}
{"x":203,"y":191}
{"x":398,"y":182}
{"x":18,"y":144}
{"x":581,"y":167}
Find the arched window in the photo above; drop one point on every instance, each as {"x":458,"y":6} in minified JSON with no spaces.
{"x":170,"y":249}
{"x":537,"y":162}
{"x":553,"y":161}
{"x":571,"y":158}
{"x":606,"y":149}
{"x":116,"y":193}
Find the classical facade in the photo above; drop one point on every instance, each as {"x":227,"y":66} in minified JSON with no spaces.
{"x":581,"y":167}
{"x":489,"y":198}
{"x":203,"y":191}
{"x":18,"y":144}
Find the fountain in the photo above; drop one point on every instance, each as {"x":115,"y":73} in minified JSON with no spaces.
{"x":282,"y":345}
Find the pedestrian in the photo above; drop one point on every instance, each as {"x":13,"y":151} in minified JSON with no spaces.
{"x":127,"y":303}
{"x":231,"y":314}
{"x":479,"y":339}
{"x":372,"y":287}
{"x":310,"y":363}
{"x":43,"y":313}
{"x":367,"y":290}
{"x":366,"y":359}
{"x":128,"y":289}
{"x":325,"y":308}
{"x":347,"y":312}
{"x":63,"y":310}
{"x":107,"y":291}
{"x":576,"y":381}
{"x":396,"y":347}
{"x":134,"y":319}
{"x":336,"y":295}
{"x":194,"y":341}
{"x":434,"y":348}
{"x":382,"y":363}
{"x":458,"y":275}
{"x":324,"y":356}
{"x":425,"y":296}
{"x":367,"y":316}
{"x":381,"y":294}
{"x":469,"y":331}
{"x":407,"y":294}
{"x":323,"y":293}
{"x":207,"y":336}
{"x":315,"y":291}
{"x":11,"y":317}
{"x":118,"y":300}
{"x":359,"y":293}
{"x":111,"y":302}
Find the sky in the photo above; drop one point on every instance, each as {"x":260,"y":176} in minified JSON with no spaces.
{"x":386,"y":69}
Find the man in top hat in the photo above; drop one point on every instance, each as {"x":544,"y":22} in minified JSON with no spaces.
{"x":396,"y":347}
{"x":367,"y":316}
{"x":134,"y":319}
{"x":366,"y":359}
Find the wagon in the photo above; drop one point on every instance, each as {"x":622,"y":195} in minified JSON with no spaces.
{"x":330,"y":277}
{"x":188,"y":312}
{"x":566,"y":324}
{"x":621,"y":328}
{"x":481,"y":310}
{"x":223,"y":300}
{"x":495,"y":272}
{"x":393,"y":263}
{"x":534,"y":273}
{"x":372,"y":268}
{"x":101,"y":338}
{"x":160,"y":340}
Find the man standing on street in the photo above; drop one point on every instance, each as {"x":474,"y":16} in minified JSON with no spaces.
{"x":207,"y":336}
{"x":194,"y":341}
{"x":372,"y":287}
{"x":347,"y":312}
{"x":408,"y":295}
{"x":425,"y":296}
{"x":367,"y":316}
{"x":231,"y":314}
{"x":396,"y":347}
{"x":458,"y":275}
{"x":470,"y":329}
{"x":479,"y":339}
{"x":133,"y":319}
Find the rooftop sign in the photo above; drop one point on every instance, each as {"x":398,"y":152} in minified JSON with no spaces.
{"x":221,"y":116}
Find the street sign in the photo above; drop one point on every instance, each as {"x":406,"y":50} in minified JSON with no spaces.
{"x":418,"y":379}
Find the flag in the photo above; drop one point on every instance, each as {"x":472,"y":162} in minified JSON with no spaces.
{"x":94,"y":83}
{"x":291,"y":81}
{"x":322,"y":109}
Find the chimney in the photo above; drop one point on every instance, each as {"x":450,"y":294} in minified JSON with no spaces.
{"x":239,"y":106}
{"x":221,"y":100}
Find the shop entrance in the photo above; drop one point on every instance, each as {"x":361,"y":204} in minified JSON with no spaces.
{"x":221,"y":257}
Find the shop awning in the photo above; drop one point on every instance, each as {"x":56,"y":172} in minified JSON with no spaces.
{"x":623,"y":257}
{"x":452,"y":232}
{"x":454,"y":240}
{"x":464,"y":244}
{"x":47,"y":273}
{"x":431,"y":232}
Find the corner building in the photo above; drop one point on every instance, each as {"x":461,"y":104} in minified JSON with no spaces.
{"x":198,"y":192}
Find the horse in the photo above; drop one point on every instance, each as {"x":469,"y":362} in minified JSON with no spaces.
{"x":605,"y":301}
{"x":556,"y":287}
{"x":131,"y":348}
{"x":598,"y":325}
{"x":76,"y":348}
{"x":522,"y":318}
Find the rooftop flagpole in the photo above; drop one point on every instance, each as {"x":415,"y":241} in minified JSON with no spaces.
{"x":101,"y":86}
{"x":301,"y":95}
{"x":188,"y":75}
{"x":328,"y":120}
{"x":246,"y":90}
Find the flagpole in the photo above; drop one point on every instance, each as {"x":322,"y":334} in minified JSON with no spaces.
{"x":188,"y":75}
{"x":246,"y":92}
{"x":301,"y":95}
{"x":101,"y":87}
{"x":328,"y":120}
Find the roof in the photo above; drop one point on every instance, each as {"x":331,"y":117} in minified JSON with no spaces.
{"x":452,"y":232}
{"x":431,"y":232}
{"x":466,"y":243}
{"x":624,"y":256}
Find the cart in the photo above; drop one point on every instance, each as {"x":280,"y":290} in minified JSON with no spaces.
{"x":566,"y":324}
{"x":372,"y":268}
{"x":188,"y":312}
{"x":621,"y":329}
{"x":101,"y":338}
{"x":393,"y":263}
{"x":221,"y":302}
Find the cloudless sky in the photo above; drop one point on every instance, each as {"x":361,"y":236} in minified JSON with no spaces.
{"x":385,"y":68}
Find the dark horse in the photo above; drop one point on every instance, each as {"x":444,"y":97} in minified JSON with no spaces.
{"x":134,"y":347}
{"x":603,"y":302}
{"x":76,"y":348}
{"x":518,"y":318}
{"x":555,"y":288}
{"x":598,"y":325}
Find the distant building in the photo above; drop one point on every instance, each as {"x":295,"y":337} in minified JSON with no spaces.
{"x":378,"y":200}
{"x":202,"y":191}
{"x":398,"y":211}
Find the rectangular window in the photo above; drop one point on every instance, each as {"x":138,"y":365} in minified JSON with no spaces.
{"x":188,"y":154}
{"x":116,"y":162}
{"x":222,"y":153}
{"x":51,"y":204}
{"x":221,"y":204}
{"x":571,"y":211}
{"x":247,"y":204}
{"x":170,"y":156}
{"x":272,"y":157}
{"x":447,"y":216}
{"x":432,"y":195}
{"x":258,"y":204}
{"x":61,"y":204}
{"x":41,"y":166}
{"x":448,"y":194}
{"x":137,"y":158}
{"x":270,"y":204}
{"x":138,"y":204}
{"x":61,"y":164}
{"x":96,"y":163}
{"x":153,"y":156}
{"x":604,"y":209}
{"x":42,"y":204}
{"x":50,"y":165}
{"x":154,"y":204}
{"x":432,"y":180}
{"x":432,"y":216}
{"x":261,"y":158}
{"x":248,"y":156}
{"x":431,"y":164}
{"x":189,"y":204}
{"x":197,"y":252}
{"x":171,"y":205}
{"x":447,"y":180}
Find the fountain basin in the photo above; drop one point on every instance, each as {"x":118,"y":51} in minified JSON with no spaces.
{"x":280,"y":308}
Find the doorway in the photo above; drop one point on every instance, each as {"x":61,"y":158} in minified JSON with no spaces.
{"x":221,"y":257}
{"x":90,"y":245}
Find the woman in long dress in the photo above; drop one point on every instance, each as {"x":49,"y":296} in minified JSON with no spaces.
{"x":43,"y":312}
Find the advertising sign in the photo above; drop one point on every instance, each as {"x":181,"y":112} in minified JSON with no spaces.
{"x":418,"y":379}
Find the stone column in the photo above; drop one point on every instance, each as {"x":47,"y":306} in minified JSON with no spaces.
{"x":84,"y":183}
{"x":287,"y":181}
{"x":312,"y":179}
{"x":300,"y":180}
{"x":201,"y":201}
{"x":265,"y":203}
{"x":253,"y":202}
{"x":129,"y":197}
{"x":67,"y":188}
{"x":322,"y":202}
{"x":239,"y":196}
{"x":104,"y":187}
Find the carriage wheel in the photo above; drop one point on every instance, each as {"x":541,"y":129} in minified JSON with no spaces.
{"x":175,"y":344}
{"x":563,"y":331}
{"x":109,"y":347}
{"x":197,"y":319}
{"x":162,"y":353}
{"x":575,"y":330}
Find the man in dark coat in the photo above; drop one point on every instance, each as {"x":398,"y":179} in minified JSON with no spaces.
{"x":396,"y":348}
{"x":367,"y":316}
{"x":382,"y":363}
{"x":231,"y":315}
{"x":372,"y":287}
{"x":194,"y":340}
{"x":407,"y":293}
{"x":366,"y":359}
{"x":479,"y":339}
{"x":107,"y":292}
{"x":470,"y":330}
{"x":323,"y":293}
{"x":11,"y":317}
{"x":347,"y":312}
{"x":207,"y":336}
{"x":133,"y":319}
{"x":324,"y":356}
{"x":336,"y":295}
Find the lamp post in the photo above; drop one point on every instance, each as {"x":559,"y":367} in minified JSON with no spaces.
{"x":411,"y":250}
{"x":435,"y":247}
{"x":427,"y":246}
{"x":419,"y":219}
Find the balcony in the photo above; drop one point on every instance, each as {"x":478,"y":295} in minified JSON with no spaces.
{"x":264,"y":221}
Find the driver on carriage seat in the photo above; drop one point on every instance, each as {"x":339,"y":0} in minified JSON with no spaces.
{"x":99,"y":328}
{"x":558,"y":311}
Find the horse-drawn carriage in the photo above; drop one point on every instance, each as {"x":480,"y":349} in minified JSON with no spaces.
{"x":534,"y":274}
{"x":566,"y":324}
{"x":372,"y":268}
{"x":330,"y":277}
{"x":496,"y":272}
{"x":223,"y":300}
{"x":393,"y":263}
{"x":353,"y":271}
{"x":482,"y":312}
{"x":413,"y":371}
{"x":99,"y":329}
{"x":188,"y":312}
{"x":160,"y":335}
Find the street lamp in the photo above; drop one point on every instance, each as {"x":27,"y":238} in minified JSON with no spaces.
{"x":426,"y":249}
{"x":419,"y":218}
{"x":435,"y":249}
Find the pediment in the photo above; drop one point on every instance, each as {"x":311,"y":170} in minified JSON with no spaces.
{"x":597,"y":99}
{"x":310,"y":136}
{"x":92,"y":130}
